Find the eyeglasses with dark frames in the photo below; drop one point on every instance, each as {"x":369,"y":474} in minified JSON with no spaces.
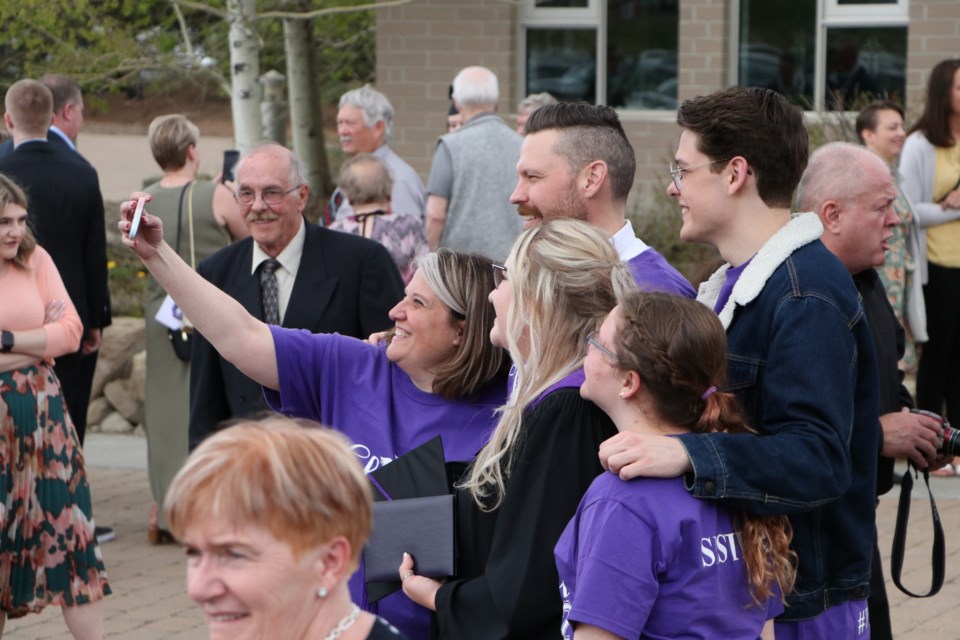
{"x":593,"y":340}
{"x":247,"y":197}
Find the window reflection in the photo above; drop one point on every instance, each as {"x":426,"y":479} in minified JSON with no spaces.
{"x":562,"y":62}
{"x":642,"y":54}
{"x":864,"y":64}
{"x":777,"y":47}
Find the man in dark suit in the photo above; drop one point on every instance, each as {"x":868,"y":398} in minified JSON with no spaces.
{"x":326,"y":281}
{"x":66,"y":211}
{"x":67,"y":114}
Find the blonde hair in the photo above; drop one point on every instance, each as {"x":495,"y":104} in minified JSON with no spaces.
{"x":298,"y":480}
{"x":170,"y":138}
{"x":11,"y":193}
{"x":678,"y":347}
{"x":565,"y":278}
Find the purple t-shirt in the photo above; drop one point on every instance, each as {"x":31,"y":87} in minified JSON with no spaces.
{"x":652,"y":272}
{"x":733,"y":274}
{"x":645,"y":559}
{"x":350,"y":385}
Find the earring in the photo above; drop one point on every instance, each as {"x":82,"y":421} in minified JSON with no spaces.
{"x":621,"y":394}
{"x":322,"y":592}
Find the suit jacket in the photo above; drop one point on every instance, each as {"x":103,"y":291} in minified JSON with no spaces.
{"x":66,"y":214}
{"x":345,"y":284}
{"x":7,"y":145}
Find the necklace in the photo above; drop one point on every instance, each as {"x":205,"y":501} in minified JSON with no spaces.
{"x":345,"y":623}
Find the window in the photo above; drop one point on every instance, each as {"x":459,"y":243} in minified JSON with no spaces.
{"x":617,"y":52}
{"x":823,"y":54}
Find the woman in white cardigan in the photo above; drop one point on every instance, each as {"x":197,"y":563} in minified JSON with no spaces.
{"x":930,"y":172}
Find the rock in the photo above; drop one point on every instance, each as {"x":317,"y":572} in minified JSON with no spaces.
{"x":123,"y":338}
{"x":115,"y":423}
{"x":123,"y":397}
{"x":139,"y":431}
{"x":99,"y":409}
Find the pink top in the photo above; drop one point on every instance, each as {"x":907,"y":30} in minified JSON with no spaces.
{"x":25,"y":295}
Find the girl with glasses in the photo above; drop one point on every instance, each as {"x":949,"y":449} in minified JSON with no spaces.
{"x":645,"y":559}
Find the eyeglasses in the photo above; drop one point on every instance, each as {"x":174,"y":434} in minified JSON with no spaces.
{"x":676,"y":171}
{"x":247,"y":197}
{"x":499,"y":274}
{"x":593,"y":340}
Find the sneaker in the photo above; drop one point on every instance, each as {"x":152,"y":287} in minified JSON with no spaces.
{"x":104,"y":534}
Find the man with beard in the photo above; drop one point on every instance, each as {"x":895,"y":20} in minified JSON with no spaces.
{"x":289,"y":273}
{"x":576,"y":162}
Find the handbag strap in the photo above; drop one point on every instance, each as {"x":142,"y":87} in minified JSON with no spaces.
{"x":900,"y":536}
{"x":188,"y":192}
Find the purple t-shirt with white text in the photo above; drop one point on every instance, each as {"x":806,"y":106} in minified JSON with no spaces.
{"x":645,"y":559}
{"x":351,"y":386}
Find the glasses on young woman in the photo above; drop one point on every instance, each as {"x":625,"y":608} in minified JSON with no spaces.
{"x":499,"y":274}
{"x":593,"y":340}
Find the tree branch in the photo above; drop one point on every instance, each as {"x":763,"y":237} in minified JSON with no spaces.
{"x":199,"y":6}
{"x":183,"y":27}
{"x":329,"y":11}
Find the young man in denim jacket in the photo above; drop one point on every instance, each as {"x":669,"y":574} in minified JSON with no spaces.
{"x":801,"y":359}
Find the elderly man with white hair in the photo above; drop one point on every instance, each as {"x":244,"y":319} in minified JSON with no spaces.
{"x":365,"y":125}
{"x":472,"y":176}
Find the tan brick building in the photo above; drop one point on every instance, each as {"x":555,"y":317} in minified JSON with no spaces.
{"x":643,"y":56}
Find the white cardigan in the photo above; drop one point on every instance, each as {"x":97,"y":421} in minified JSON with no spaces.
{"x":917,"y":173}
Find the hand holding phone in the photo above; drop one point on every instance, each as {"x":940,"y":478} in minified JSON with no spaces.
{"x":230,"y":157}
{"x":135,"y":224}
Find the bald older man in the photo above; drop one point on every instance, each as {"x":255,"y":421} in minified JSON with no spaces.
{"x":853,"y":192}
{"x":472,"y":176}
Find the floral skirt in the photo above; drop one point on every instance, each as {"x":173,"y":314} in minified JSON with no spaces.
{"x":48,"y":550}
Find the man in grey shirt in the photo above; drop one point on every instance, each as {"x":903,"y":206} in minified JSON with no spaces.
{"x":473,"y":174}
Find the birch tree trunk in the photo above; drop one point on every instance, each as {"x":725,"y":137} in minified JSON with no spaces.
{"x":244,"y":73}
{"x":306,"y":116}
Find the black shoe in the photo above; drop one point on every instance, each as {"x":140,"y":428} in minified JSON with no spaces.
{"x":104,"y":534}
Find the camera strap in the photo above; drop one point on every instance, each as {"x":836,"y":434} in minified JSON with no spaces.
{"x":900,"y":536}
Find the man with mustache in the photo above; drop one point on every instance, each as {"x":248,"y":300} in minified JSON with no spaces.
{"x":576,"y":162}
{"x":365,"y":125}
{"x":290,"y":273}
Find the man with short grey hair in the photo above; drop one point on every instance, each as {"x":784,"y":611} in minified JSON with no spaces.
{"x":365,"y":125}
{"x":472,"y":176}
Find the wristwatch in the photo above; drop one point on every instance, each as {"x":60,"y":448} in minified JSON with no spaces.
{"x":6,"y":341}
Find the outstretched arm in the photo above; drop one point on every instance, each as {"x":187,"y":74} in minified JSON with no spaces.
{"x":238,"y":336}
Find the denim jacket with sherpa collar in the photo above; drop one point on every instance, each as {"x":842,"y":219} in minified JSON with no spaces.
{"x":801,"y":361}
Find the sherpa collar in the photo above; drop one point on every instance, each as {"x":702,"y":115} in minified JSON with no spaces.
{"x":802,"y":229}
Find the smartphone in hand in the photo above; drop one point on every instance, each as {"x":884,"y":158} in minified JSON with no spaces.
{"x":135,"y":224}
{"x":230,"y":157}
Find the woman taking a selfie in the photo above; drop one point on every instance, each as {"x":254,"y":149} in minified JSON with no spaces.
{"x":437,"y":375}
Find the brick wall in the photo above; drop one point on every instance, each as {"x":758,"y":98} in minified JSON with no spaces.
{"x":422,"y":45}
{"x":934,"y":35}
{"x":420,"y":48}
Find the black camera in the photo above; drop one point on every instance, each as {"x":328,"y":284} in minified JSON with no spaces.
{"x":949,"y":439}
